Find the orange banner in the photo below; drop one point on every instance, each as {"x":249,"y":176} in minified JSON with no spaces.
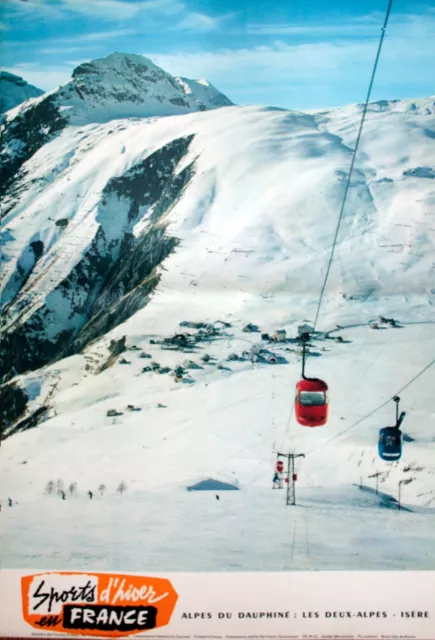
{"x":99,"y":604}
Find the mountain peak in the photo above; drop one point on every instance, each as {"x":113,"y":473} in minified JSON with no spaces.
{"x":115,"y":62}
{"x":131,"y":85}
{"x":112,"y":88}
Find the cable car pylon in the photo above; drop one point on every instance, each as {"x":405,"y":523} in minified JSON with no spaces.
{"x":291,"y":475}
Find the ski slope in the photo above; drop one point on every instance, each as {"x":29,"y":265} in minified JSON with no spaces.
{"x":227,"y":428}
{"x":249,"y":530}
{"x":255,"y":225}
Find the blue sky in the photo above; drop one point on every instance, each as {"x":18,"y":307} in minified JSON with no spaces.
{"x":296,"y":54}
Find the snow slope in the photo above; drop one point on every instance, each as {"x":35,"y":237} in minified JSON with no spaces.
{"x":14,"y":90}
{"x":258,"y":179}
{"x":114,"y":87}
{"x":254,"y":222}
{"x":344,"y":529}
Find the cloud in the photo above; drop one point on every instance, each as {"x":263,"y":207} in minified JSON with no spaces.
{"x":350,"y":29}
{"x":110,"y":10}
{"x":198,"y":22}
{"x":32,"y":10}
{"x":122,"y":10}
{"x":25,"y":5}
{"x":329,"y":68}
{"x":194,"y":21}
{"x":62,"y":45}
{"x":104,"y":35}
{"x":279,"y":58}
{"x":64,"y":49}
{"x":359,"y":26}
{"x":28,"y":65}
{"x":119,"y":9}
{"x":367,"y":25}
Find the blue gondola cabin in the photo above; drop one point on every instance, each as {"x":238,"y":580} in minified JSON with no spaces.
{"x":311,"y":402}
{"x":390,"y":444}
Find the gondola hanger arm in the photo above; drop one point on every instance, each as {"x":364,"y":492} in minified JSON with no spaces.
{"x":304,"y":337}
{"x":400,"y":419}
{"x":397,"y":400}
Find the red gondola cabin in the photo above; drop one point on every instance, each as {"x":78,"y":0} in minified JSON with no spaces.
{"x":311,"y":402}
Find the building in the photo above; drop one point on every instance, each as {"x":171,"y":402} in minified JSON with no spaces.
{"x":280,"y":335}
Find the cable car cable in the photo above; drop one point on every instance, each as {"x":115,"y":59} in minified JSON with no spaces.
{"x":381,"y":40}
{"x":364,"y":113}
{"x":374,"y":410}
{"x":316,"y":414}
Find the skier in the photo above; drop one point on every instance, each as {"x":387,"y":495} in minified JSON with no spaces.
{"x":90,"y":494}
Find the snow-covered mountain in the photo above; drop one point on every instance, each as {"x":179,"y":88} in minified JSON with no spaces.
{"x":99,"y":208}
{"x":129,"y":85}
{"x":117,"y":86}
{"x":14,"y":90}
{"x":116,"y":232}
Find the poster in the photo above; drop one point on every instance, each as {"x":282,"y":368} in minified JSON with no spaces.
{"x":217,"y":331}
